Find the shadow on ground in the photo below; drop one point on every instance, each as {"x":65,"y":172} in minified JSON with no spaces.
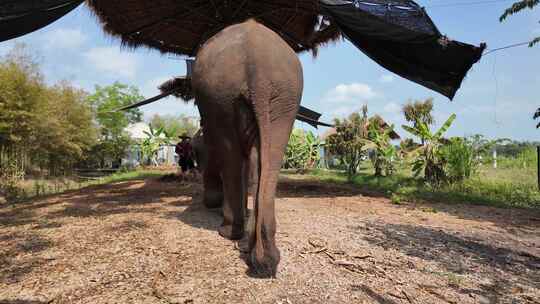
{"x":22,"y":302}
{"x":462,"y":255}
{"x":19,"y":244}
{"x":456,"y":254}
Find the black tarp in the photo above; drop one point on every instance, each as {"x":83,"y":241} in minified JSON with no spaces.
{"x":397,"y":34}
{"x":20,"y":17}
{"x":400,"y":36}
{"x":310,"y":117}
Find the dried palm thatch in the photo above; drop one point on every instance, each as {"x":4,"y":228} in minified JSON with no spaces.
{"x":182,"y":26}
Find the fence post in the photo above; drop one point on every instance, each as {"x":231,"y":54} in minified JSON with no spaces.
{"x":538,"y":165}
{"x":495,"y":158}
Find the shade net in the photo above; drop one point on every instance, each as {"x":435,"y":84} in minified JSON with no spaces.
{"x":20,"y":17}
{"x":400,"y":36}
{"x":397,"y":34}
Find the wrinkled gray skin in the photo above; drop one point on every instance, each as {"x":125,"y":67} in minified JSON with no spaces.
{"x":201,"y":158}
{"x":199,"y":150}
{"x":248,"y":84}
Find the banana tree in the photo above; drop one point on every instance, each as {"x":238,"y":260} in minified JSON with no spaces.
{"x":302,"y":151}
{"x":428,"y":157}
{"x":154,"y":140}
{"x":384,"y":154}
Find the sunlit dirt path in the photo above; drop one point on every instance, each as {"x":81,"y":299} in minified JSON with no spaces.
{"x":153,"y":242}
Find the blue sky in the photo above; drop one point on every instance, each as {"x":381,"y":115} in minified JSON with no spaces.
{"x":497,"y":98}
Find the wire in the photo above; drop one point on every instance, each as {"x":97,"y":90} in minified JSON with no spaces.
{"x":507,"y":47}
{"x":466,"y":3}
{"x":496,"y":91}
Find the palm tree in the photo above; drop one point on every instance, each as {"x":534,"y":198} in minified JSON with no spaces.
{"x":419,"y":112}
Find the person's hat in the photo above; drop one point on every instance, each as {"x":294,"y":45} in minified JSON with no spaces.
{"x":185,"y":135}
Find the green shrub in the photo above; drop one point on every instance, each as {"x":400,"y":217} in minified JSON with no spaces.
{"x":460,"y":160}
{"x":396,"y":199}
{"x":10,"y":176}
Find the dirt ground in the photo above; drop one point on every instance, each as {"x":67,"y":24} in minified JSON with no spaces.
{"x":153,"y":242}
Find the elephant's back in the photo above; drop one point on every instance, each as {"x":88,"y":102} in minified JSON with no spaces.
{"x":232,"y":57}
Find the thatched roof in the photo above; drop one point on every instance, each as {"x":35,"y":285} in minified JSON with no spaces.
{"x":384,"y":125}
{"x":182,"y":26}
{"x":328,"y":133}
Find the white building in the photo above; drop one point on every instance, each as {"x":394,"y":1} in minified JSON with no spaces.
{"x":133,"y":157}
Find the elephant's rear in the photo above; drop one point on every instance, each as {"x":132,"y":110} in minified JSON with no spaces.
{"x":247,"y":79}
{"x":244,"y":56}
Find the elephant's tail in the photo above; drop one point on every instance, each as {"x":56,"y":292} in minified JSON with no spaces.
{"x":264,"y":254}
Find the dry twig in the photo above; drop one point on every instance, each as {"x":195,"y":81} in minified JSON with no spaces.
{"x":409,"y":298}
{"x":395,"y":295}
{"x":330,"y":256}
{"x":361,"y":257}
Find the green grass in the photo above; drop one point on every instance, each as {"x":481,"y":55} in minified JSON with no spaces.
{"x":524,"y":175}
{"x":132,"y":175}
{"x":502,"y":187}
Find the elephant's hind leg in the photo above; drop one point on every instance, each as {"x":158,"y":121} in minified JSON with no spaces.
{"x":230,"y":141}
{"x":233,"y":186}
{"x":213,"y":186}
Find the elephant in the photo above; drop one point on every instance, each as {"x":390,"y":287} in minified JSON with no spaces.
{"x":200,"y":152}
{"x":247,"y":82}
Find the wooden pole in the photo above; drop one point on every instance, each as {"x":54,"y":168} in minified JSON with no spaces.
{"x":538,"y":165}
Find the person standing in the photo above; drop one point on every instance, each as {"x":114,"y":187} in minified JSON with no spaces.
{"x":185,"y":153}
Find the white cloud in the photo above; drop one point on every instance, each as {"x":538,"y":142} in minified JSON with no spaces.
{"x":536,"y":31}
{"x":357,"y":92}
{"x":111,"y":60}
{"x":64,"y":38}
{"x":387,"y":78}
{"x":392,"y":108}
{"x":343,"y":111}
